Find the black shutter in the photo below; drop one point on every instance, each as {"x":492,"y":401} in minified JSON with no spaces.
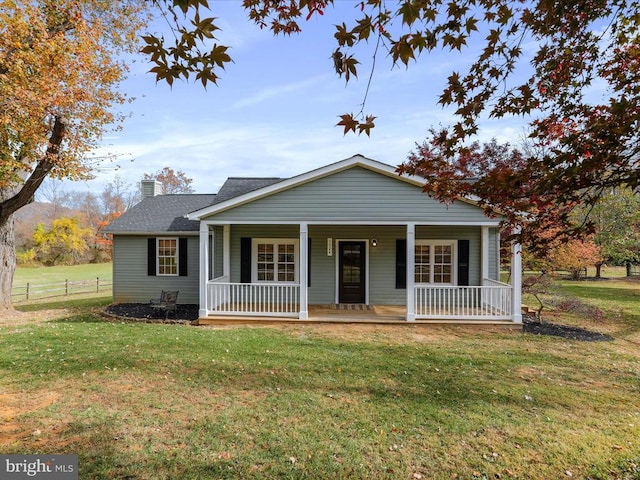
{"x":245,"y":260}
{"x":182,"y":257}
{"x":463,"y":262}
{"x":151,"y":257}
{"x":401,"y":263}
{"x":309,"y":262}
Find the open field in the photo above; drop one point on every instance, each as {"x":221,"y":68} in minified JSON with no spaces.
{"x":44,"y":283}
{"x":61,"y":273}
{"x":153,"y":401}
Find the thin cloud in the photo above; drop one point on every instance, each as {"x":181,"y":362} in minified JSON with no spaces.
{"x":276,"y":91}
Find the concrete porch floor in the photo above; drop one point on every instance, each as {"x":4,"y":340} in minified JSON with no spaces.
{"x":344,"y":313}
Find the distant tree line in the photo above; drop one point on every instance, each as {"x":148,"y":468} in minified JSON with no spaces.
{"x":614,"y":241}
{"x":66,"y":228}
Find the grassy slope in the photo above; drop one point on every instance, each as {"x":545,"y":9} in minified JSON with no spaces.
{"x":161,"y":401}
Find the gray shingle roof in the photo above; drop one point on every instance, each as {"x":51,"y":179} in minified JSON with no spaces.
{"x":236,"y":186}
{"x":165,"y":213}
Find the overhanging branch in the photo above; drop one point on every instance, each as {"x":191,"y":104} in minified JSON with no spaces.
{"x":39,"y":173}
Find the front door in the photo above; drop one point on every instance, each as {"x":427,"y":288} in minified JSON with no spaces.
{"x":352,"y":272}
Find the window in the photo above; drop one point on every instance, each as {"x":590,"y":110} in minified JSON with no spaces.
{"x":167,"y":256}
{"x":275,"y":260}
{"x":423,"y":263}
{"x":434,"y":261}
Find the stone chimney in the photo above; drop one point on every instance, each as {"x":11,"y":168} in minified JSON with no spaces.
{"x":150,"y":188}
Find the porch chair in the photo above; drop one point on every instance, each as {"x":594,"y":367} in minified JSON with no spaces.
{"x":166,"y":302}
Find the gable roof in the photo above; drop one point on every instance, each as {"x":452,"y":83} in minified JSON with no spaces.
{"x":166,"y":213}
{"x":236,"y":186}
{"x":285,"y":184}
{"x":162,"y":213}
{"x":182,"y":212}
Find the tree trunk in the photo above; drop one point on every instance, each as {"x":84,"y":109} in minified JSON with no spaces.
{"x":7,"y":263}
{"x":15,"y":197}
{"x":628,"y":265}
{"x":598,"y":270}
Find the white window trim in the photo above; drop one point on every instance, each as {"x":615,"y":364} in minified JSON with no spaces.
{"x":454,"y":259}
{"x":158,"y":239}
{"x":275,"y":242}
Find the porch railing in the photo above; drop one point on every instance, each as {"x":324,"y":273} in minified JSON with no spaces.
{"x":491,"y":301}
{"x":272,"y":299}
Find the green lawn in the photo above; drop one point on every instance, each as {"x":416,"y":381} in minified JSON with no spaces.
{"x":56,"y":282}
{"x":41,"y":275}
{"x":150,"y":401}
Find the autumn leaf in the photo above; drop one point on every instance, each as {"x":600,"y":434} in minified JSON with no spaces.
{"x":348,"y":122}
{"x":367,"y":125}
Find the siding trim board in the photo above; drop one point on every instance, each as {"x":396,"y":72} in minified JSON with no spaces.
{"x":382,"y":223}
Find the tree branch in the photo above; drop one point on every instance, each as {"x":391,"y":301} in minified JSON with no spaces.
{"x":39,"y":173}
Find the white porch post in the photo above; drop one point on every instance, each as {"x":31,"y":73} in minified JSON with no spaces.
{"x":516,"y":282}
{"x":411,"y":247}
{"x":204,"y":268}
{"x":485,"y":253}
{"x":303,"y":277}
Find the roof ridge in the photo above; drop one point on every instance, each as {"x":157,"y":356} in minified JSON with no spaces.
{"x":181,"y":194}
{"x":256,"y":178}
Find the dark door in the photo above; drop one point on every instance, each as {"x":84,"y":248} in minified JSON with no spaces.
{"x":352,"y":272}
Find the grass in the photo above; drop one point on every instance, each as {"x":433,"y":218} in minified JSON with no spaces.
{"x":43,"y":275}
{"x":149,"y":401}
{"x":49,"y":282}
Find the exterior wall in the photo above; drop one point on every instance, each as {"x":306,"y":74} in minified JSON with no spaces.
{"x":353,"y":194}
{"x":473,"y":234}
{"x":218,"y":257}
{"x":494,"y":254}
{"x":256,"y":231}
{"x":381,"y":268}
{"x":131,"y":284}
{"x":382,"y":258}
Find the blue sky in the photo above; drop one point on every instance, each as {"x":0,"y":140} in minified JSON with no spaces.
{"x":274,"y":110}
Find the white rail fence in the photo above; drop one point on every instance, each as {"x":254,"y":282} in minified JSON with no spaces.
{"x":33,"y":291}
{"x":492,"y":301}
{"x":279,"y":299}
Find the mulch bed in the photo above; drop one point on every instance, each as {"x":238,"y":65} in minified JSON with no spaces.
{"x":145,"y":313}
{"x":531,"y":324}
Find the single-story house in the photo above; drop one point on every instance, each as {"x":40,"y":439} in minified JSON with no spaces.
{"x":349,"y":235}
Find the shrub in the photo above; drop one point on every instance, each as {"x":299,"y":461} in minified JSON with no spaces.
{"x":26,"y":258}
{"x":576,"y":306}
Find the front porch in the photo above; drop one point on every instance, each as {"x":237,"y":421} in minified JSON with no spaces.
{"x":242,"y":268}
{"x":489,"y":303}
{"x":348,"y":315}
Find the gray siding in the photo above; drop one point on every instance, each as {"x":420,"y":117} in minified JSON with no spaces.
{"x":382,"y":262}
{"x":218,"y":257}
{"x":354,"y":194}
{"x":381,"y":272}
{"x":473,"y":234}
{"x":494,"y":254}
{"x":256,"y":231}
{"x":131,"y":282}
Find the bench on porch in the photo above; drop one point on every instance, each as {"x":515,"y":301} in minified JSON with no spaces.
{"x":166,"y":302}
